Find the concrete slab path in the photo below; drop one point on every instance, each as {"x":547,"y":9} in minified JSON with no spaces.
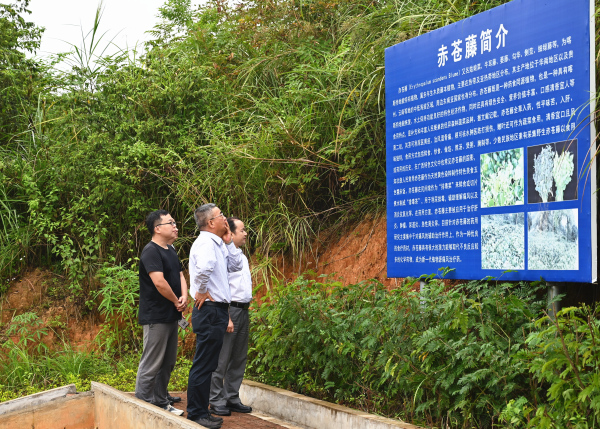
{"x":240,"y":420}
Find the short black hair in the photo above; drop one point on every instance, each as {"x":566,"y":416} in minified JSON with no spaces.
{"x":202,"y":213}
{"x":153,"y":218}
{"x":231,"y":221}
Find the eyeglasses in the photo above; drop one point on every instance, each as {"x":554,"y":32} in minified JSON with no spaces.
{"x":172,"y":223}
{"x":221,"y":215}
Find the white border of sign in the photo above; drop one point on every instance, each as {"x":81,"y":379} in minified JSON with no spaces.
{"x":594,"y":210}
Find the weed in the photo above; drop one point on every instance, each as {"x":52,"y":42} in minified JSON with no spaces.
{"x":119,"y":296}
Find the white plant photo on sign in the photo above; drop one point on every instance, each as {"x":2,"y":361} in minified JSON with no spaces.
{"x":503,"y":241}
{"x":552,"y":168}
{"x":542,"y":176}
{"x":562,"y":172}
{"x":553,"y":240}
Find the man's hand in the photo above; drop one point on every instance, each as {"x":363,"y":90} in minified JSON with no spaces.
{"x":230,"y":325}
{"x":182,"y":303}
{"x":199,"y":299}
{"x":228,"y":236}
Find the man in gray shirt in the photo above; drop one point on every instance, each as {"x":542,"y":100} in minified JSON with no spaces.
{"x":212,"y":257}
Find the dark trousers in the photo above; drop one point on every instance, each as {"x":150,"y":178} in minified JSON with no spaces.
{"x":210,"y":324}
{"x":227,"y":378}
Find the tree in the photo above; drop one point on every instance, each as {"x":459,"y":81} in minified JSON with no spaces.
{"x":18,"y":74}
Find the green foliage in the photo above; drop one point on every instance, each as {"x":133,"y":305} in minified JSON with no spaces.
{"x":542,"y":172}
{"x":29,"y":365}
{"x":14,"y":240}
{"x":274,"y":112}
{"x":29,"y":329}
{"x":23,"y":373}
{"x":179,"y":376}
{"x":565,"y":354}
{"x":19,"y":75}
{"x":437,"y":358}
{"x":119,"y":296}
{"x":502,"y":182}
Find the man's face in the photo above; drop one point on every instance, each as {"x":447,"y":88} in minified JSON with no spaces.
{"x":167,"y":228}
{"x":240,"y":234}
{"x":218,"y":222}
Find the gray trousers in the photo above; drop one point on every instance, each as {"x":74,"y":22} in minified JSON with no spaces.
{"x":227,"y":378}
{"x":157,"y":363}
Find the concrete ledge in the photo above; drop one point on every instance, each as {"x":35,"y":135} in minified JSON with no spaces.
{"x":118,"y":410}
{"x":70,"y":412}
{"x":37,"y":399}
{"x":309,"y":412}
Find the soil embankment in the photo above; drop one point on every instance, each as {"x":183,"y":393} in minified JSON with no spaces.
{"x":46,"y":294}
{"x":352,"y":254}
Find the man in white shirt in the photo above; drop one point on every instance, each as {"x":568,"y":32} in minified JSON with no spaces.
{"x":212,"y":257}
{"x":227,"y":378}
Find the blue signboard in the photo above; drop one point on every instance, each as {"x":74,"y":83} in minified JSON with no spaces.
{"x":488,"y":146}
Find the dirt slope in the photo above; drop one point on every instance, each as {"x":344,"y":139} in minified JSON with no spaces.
{"x":356,"y":253}
{"x":351,"y":255}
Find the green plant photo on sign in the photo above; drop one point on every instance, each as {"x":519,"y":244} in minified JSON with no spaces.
{"x":502,"y":178}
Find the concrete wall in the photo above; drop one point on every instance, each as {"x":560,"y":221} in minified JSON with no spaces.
{"x":36,"y":399}
{"x":117,"y":410}
{"x":68,"y":412}
{"x":311,"y":413}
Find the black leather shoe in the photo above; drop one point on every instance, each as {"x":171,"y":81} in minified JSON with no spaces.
{"x":215,"y":419}
{"x":207,"y":423}
{"x":220,"y":411}
{"x":239,"y":408}
{"x":173,"y":399}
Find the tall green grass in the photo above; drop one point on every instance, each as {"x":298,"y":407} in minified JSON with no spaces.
{"x":273,"y":111}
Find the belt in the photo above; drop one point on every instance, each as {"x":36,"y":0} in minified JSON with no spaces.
{"x":242,"y":305}
{"x":224,"y":305}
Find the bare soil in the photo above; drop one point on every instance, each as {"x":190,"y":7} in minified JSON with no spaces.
{"x":350,"y":255}
{"x":45,"y":294}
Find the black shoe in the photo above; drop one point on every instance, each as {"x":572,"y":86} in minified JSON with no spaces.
{"x":207,"y":423}
{"x":173,"y":399}
{"x":239,"y":408}
{"x":215,"y":419}
{"x":220,"y":411}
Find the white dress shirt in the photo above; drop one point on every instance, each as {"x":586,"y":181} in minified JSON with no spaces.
{"x":240,"y":283}
{"x":210,"y":261}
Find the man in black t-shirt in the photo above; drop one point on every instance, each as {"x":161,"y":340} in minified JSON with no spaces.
{"x":163,"y":296}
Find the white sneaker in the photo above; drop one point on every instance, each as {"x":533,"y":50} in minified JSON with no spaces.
{"x":174,"y":410}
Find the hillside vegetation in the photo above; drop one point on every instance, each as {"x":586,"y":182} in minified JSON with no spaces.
{"x":273,"y":110}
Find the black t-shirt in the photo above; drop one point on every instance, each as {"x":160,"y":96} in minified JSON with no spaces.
{"x":155,"y":308}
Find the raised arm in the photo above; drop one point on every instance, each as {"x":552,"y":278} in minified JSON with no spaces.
{"x":234,"y":259}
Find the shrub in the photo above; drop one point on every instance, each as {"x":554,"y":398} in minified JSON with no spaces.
{"x":564,"y":354}
{"x":119,"y":294}
{"x":439,"y":357}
